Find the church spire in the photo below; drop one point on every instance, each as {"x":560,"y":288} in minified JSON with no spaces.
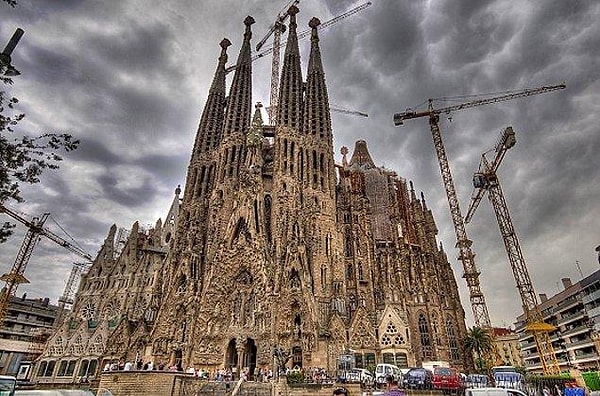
{"x":239,"y":105}
{"x":317,"y":119}
{"x":211,"y":122}
{"x":289,"y":109}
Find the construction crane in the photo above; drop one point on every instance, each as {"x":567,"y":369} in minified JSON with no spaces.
{"x":463,"y":243}
{"x":35,"y":229}
{"x":486,"y":179}
{"x":347,"y":111}
{"x":276,"y":29}
{"x":341,"y":110}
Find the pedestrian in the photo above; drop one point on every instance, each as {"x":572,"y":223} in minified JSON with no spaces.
{"x":546,"y":391}
{"x":392,"y":387}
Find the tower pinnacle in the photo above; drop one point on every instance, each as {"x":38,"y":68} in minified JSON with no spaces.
{"x":317,"y":119}
{"x":211,"y":121}
{"x":239,"y":106}
{"x":290,"y":95}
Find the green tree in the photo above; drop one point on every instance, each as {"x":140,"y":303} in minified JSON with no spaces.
{"x":23,"y":158}
{"x":479,"y":342}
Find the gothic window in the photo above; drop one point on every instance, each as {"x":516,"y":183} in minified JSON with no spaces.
{"x":435,"y":329}
{"x":294,"y":279}
{"x":348,"y":243}
{"x":111,"y":311}
{"x":360,"y":271}
{"x":181,"y":284}
{"x":426,"y":350}
{"x":349,"y":272}
{"x":244,"y":277}
{"x":297,"y":326}
{"x":268,"y":217}
{"x":323,"y":276}
{"x":452,"y":341}
{"x":194,"y":267}
{"x":256,"y":218}
{"x":88,"y":311}
{"x":241,"y":227}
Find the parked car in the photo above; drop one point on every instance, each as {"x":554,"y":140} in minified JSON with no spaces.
{"x":384,"y":369}
{"x":476,"y":381}
{"x":418,"y":378}
{"x":448,"y":380}
{"x":360,"y":375}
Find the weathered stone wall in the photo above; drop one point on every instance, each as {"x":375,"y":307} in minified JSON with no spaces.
{"x":148,"y":383}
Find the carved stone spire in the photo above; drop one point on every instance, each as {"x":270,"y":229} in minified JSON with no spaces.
{"x":239,"y":105}
{"x":211,"y":122}
{"x":361,"y":156}
{"x":289,"y":110}
{"x":317,"y":119}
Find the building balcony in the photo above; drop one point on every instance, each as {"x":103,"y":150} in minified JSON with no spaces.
{"x":569,"y":318}
{"x":566,"y":304}
{"x":574,"y":331}
{"x":584,"y":357}
{"x":591,"y":297}
{"x":581,"y":343}
{"x":593,"y":312}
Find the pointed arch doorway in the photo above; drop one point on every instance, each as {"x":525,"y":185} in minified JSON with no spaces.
{"x":240,"y":358}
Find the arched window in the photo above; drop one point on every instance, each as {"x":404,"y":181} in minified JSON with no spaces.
{"x":452,"y":341}
{"x":426,"y":350}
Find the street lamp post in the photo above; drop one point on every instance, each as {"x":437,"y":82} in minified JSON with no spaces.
{"x":6,"y":67}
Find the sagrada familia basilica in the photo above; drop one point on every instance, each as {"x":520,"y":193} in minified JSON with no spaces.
{"x":272,"y":249}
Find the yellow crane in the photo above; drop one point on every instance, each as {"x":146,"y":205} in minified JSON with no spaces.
{"x":466,"y":256}
{"x":486,"y":179}
{"x":35,"y":229}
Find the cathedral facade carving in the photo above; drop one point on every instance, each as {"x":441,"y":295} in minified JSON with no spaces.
{"x":274,"y":249}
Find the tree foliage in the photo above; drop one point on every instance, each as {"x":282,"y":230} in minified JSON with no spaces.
{"x":479,"y":342}
{"x":23,"y":158}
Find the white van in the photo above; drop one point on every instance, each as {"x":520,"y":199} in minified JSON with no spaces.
{"x":384,"y":369}
{"x":493,"y":392}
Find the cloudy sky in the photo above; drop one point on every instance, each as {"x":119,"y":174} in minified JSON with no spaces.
{"x":129,"y":80}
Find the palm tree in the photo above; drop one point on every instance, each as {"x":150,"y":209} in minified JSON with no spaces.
{"x":479,"y":342}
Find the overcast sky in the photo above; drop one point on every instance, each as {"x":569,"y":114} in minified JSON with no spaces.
{"x":129,"y":79}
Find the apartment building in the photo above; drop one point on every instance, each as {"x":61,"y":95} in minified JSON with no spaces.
{"x":23,"y":333}
{"x":575,"y":312}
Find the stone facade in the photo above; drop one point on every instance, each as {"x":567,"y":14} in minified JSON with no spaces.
{"x":275,"y":254}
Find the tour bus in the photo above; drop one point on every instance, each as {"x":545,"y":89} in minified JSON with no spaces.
{"x":7,"y":385}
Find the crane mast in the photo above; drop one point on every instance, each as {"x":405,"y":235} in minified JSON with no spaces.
{"x":16,"y":275}
{"x":35,"y":229}
{"x":486,"y":179}
{"x":463,"y":243}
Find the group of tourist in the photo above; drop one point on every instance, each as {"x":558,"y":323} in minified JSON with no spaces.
{"x":139,"y":365}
